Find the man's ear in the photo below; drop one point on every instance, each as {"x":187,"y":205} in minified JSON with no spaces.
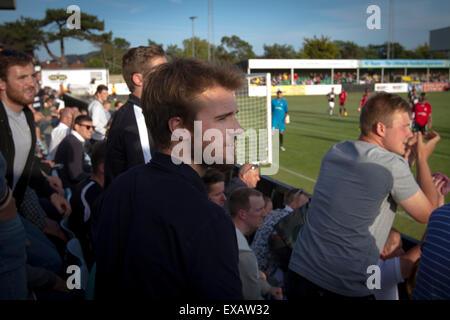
{"x":137,"y":79}
{"x":175,"y":123}
{"x":380,"y":129}
{"x":242,"y":214}
{"x":101,"y":168}
{"x":2,"y":84}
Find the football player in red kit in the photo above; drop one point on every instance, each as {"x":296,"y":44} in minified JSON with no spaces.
{"x":364,"y":99}
{"x":342,"y":98}
{"x":422,"y":114}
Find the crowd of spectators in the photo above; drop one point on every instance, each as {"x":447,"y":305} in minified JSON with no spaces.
{"x":367,"y":77}
{"x":164,"y":230}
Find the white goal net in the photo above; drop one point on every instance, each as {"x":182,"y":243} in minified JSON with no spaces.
{"x":254,"y":101}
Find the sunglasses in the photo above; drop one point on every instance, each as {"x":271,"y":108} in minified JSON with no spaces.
{"x":88,"y":126}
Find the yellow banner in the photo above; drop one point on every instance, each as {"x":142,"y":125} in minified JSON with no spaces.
{"x":296,"y":90}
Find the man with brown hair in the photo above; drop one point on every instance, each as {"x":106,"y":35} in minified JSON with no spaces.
{"x":159,"y":236}
{"x":17,"y":130}
{"x":354,"y":202}
{"x":247,"y":211}
{"x":128,"y":142}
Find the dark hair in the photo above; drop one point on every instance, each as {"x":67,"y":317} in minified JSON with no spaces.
{"x":9,"y":58}
{"x":380,"y":108}
{"x":98,"y":155}
{"x":82,"y":118}
{"x":240,"y":199}
{"x":290,"y":195}
{"x":136,"y":60}
{"x":100,"y":88}
{"x":212,"y":176}
{"x":171,"y":89}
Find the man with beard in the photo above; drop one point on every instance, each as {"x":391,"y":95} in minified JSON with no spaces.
{"x":158,"y":235}
{"x":17,"y":131}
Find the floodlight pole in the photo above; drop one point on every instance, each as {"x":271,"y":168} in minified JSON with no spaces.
{"x":391,"y":21}
{"x":193,"y":48}
{"x":209,"y":30}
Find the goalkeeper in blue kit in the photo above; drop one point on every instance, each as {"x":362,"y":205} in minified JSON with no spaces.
{"x":279,"y":113}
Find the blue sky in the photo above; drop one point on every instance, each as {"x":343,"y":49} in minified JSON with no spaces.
{"x":258,"y":22}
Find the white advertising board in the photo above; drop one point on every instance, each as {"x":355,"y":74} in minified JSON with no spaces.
{"x":322,"y":89}
{"x":78,"y":79}
{"x":392,"y":87}
{"x":121,"y":88}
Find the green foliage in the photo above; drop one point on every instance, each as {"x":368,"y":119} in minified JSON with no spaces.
{"x":153,"y":43}
{"x":233,"y":49}
{"x":322,"y":48}
{"x":172,"y":51}
{"x":200,"y":48}
{"x":23,"y":34}
{"x":279,"y":51}
{"x":110,"y":54}
{"x":349,"y":50}
{"x":53,"y":28}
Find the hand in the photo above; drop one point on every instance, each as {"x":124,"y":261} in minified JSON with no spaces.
{"x":424,"y":150}
{"x":276,"y":292}
{"x":61,"y":204}
{"x":54,"y":229}
{"x":56,"y":184}
{"x":263,"y":275}
{"x":410,"y":151}
{"x":439,"y":182}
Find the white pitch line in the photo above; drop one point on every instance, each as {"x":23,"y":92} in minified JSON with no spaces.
{"x":297,"y":174}
{"x":324,"y":132}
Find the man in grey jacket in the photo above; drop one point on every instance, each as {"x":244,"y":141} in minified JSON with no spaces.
{"x":247,"y":212}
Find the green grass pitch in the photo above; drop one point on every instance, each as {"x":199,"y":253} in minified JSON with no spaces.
{"x":312,"y":132}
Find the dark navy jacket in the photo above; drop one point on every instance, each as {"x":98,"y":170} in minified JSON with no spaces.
{"x":123,"y":146}
{"x":160,"y":237}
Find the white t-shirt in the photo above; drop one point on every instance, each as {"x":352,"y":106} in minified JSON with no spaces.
{"x":22,"y":141}
{"x":97,"y":113}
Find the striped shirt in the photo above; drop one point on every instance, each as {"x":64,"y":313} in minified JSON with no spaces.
{"x":433,"y":278}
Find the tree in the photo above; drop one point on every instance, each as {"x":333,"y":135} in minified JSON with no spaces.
{"x":23,"y":34}
{"x":153,"y":43}
{"x":200,"y":48}
{"x":233,"y":49}
{"x":172,"y":51}
{"x":279,"y":51}
{"x":110,"y":54}
{"x":423,"y":52}
{"x":322,"y":48}
{"x":349,"y":50}
{"x":57,"y":19}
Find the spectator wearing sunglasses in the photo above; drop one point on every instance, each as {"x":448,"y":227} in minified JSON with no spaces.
{"x":72,"y":155}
